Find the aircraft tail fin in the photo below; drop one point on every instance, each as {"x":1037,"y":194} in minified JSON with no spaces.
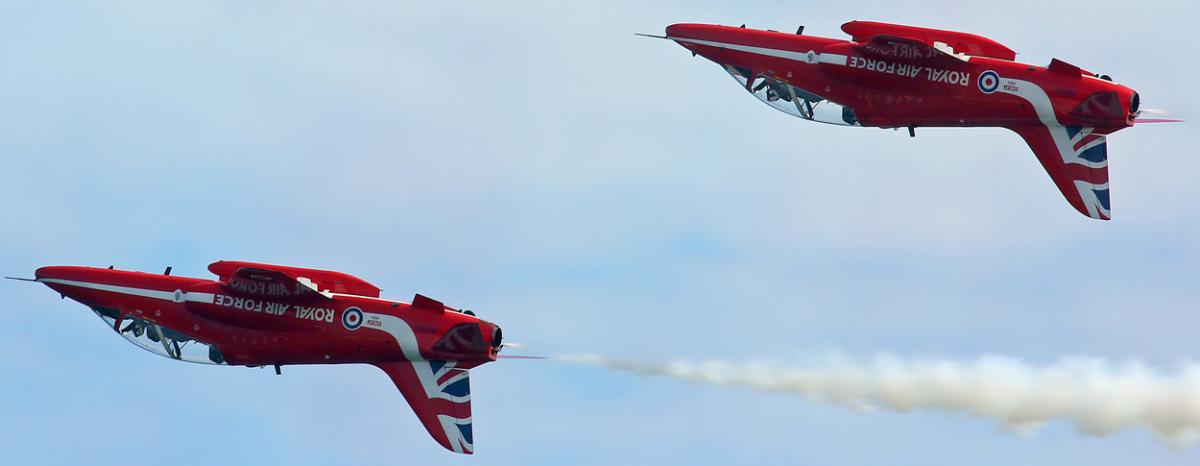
{"x":440,"y":395}
{"x":1077,"y":161}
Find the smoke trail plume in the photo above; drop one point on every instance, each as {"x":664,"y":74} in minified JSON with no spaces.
{"x":1095,"y":396}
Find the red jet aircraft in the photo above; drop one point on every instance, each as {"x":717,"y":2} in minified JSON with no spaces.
{"x":895,"y":76}
{"x":270,"y":315}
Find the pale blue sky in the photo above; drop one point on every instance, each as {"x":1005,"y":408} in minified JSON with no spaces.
{"x":587,"y":189}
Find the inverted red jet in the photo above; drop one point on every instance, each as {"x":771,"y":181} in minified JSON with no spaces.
{"x":270,"y":315}
{"x":895,"y":76}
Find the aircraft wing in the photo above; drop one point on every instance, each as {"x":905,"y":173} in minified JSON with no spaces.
{"x":258,"y":281}
{"x":440,"y":395}
{"x":961,"y":42}
{"x":1077,"y":161}
{"x":280,"y":281}
{"x":903,"y":49}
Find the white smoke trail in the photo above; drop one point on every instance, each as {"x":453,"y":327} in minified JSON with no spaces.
{"x":1095,"y":396}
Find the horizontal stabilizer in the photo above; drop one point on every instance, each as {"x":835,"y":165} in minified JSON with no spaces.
{"x":426,"y":303}
{"x":1062,"y":67}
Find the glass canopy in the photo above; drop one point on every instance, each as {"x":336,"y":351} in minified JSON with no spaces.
{"x":160,"y":340}
{"x":793,"y":100}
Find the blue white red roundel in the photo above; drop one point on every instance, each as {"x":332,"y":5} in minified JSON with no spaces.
{"x":352,"y":318}
{"x":989,"y":81}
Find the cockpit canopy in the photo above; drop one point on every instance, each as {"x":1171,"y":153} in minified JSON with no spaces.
{"x":793,"y":100}
{"x":160,"y":340}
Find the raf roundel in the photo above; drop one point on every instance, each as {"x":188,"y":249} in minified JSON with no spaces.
{"x":352,"y":318}
{"x":989,"y":81}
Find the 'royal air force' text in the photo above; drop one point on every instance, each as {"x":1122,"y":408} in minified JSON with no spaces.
{"x":961,"y":78}
{"x":319,"y":314}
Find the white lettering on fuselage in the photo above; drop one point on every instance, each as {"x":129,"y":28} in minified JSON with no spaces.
{"x":937,"y":75}
{"x":902,"y":50}
{"x":949,"y":76}
{"x":264,"y":288}
{"x":314,"y":313}
{"x":319,"y":314}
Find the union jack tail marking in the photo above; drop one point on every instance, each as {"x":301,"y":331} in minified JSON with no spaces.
{"x":440,"y":395}
{"x":1077,"y":161}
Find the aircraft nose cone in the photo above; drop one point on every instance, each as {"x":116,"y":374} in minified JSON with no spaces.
{"x":67,"y":272}
{"x":53,"y":272}
{"x":684,"y":30}
{"x":51,"y":275}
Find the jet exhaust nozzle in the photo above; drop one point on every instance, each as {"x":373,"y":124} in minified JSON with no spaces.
{"x":497,"y":338}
